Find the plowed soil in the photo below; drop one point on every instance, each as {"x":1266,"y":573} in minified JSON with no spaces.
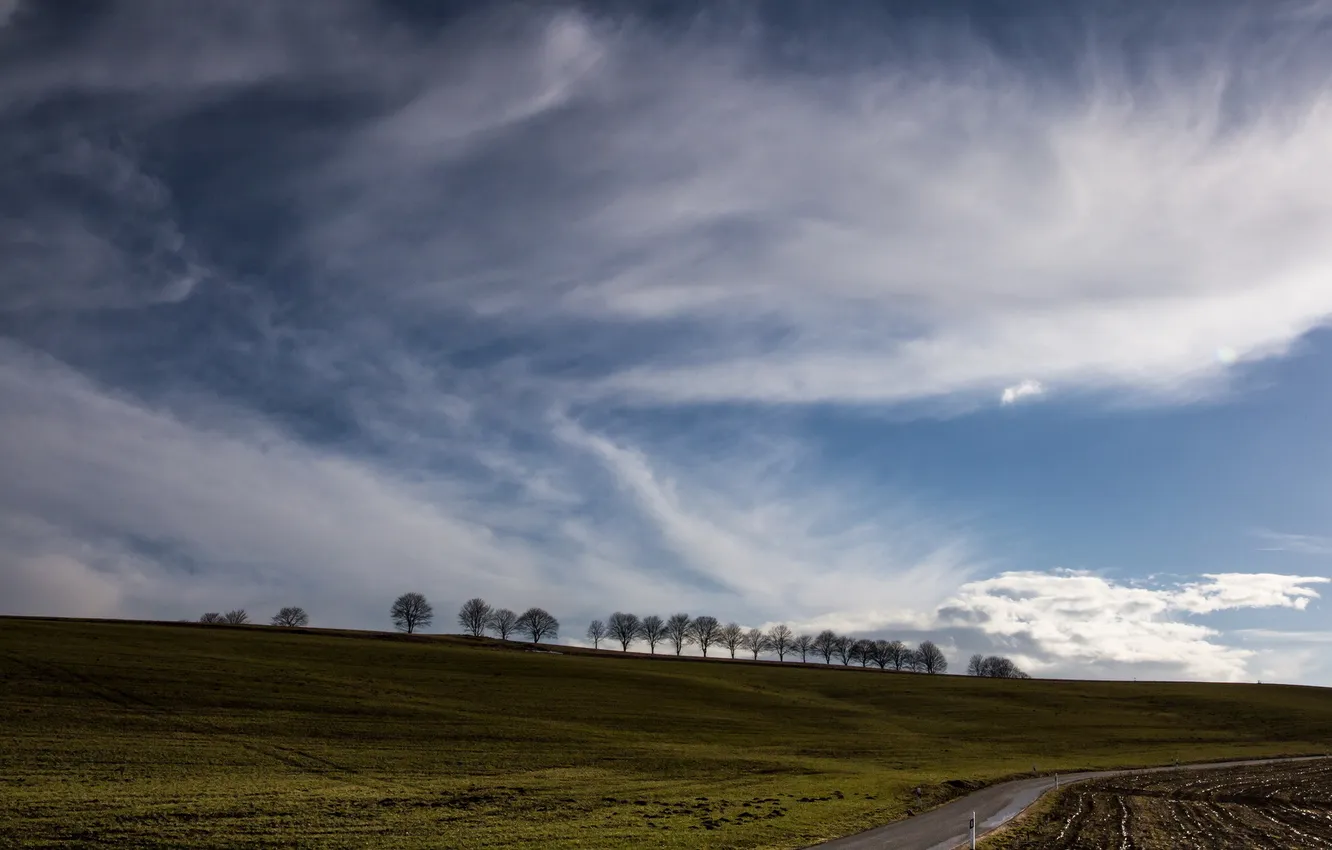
{"x":1270,"y":806}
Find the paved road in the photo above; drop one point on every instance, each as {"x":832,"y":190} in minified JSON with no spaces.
{"x":945,"y":828}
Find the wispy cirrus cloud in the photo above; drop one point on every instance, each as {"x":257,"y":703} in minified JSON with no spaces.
{"x":784,"y":549}
{"x":1304,"y":544}
{"x":119,"y":507}
{"x":935,"y":231}
{"x":310,"y":301}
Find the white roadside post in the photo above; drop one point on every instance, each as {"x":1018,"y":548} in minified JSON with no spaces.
{"x":973,"y":831}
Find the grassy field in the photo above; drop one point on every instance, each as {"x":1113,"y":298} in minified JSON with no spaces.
{"x":162,"y":735}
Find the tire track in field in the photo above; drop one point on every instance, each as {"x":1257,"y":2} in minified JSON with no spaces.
{"x":1286,"y":826}
{"x":292,"y":757}
{"x":1125,"y":842}
{"x":1073,"y":819}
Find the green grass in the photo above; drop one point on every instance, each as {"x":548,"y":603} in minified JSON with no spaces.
{"x":161,"y":735}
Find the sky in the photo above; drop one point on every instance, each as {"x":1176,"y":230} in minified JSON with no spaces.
{"x":1006,"y":325}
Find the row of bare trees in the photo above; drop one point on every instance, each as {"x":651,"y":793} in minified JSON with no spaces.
{"x":994,"y":667}
{"x":412,"y":612}
{"x":706,"y":632}
{"x":477,"y":617}
{"x":237,"y":617}
{"x":290,"y":617}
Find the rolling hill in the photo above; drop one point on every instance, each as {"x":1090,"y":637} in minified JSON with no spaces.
{"x":160,"y":735}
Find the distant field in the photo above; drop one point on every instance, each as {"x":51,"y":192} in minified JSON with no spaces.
{"x":160,"y":735}
{"x":1278,"y":806}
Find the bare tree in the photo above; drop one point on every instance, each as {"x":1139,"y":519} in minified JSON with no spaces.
{"x":212,"y":617}
{"x":976,"y":666}
{"x":825,"y":644}
{"x":596,"y":631}
{"x":705,"y":631}
{"x":677,"y":631}
{"x":291,"y":617}
{"x":842,"y":649}
{"x":731,"y":637}
{"x":802,"y":644}
{"x":779,"y":639}
{"x":537,"y":623}
{"x":653,"y":630}
{"x":881,"y":654}
{"x":626,"y":628}
{"x":502,"y":622}
{"x":410,"y":612}
{"x":237,"y":617}
{"x":898,"y":655}
{"x":931,"y":658}
{"x":756,"y":642}
{"x":863,"y":651}
{"x":474,"y":616}
{"x":914,"y":662}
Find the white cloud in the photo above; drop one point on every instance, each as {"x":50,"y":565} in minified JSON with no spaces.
{"x":1085,"y":625}
{"x":1020,"y":391}
{"x":1222,"y":591}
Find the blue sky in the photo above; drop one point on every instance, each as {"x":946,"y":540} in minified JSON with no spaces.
{"x":1006,"y":326}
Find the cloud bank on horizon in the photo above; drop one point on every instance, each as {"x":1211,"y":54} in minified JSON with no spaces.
{"x":311,"y":303}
